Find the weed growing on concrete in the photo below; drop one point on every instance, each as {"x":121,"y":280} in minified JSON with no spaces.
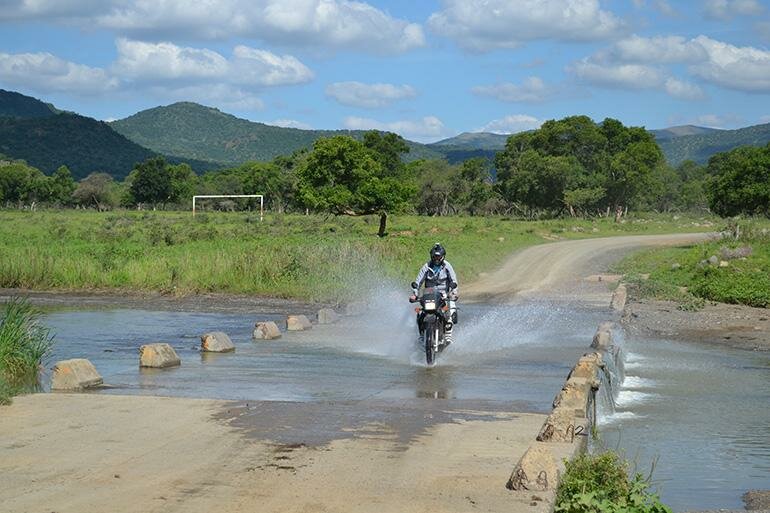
{"x":600,"y":484}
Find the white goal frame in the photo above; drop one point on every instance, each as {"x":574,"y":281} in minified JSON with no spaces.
{"x":208,"y":196}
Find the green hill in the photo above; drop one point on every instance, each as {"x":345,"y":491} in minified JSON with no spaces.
{"x":473,"y":141}
{"x":16,"y":105}
{"x":195,"y":131}
{"x":680,"y":131}
{"x":700,"y":147}
{"x":83,"y":144}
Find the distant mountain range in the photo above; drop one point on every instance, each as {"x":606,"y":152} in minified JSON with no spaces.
{"x":207,"y":139}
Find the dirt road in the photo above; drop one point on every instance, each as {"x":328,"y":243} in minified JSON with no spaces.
{"x":92,"y":453}
{"x":558,"y":269}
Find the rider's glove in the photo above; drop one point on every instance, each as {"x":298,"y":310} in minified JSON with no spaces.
{"x":413,"y":298}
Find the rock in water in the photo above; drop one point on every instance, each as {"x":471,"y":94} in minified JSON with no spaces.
{"x":75,"y":374}
{"x":216,"y":342}
{"x":298,"y":323}
{"x":267,"y":330}
{"x":159,"y":356}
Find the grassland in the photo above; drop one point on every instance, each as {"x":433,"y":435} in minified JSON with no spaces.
{"x":739,"y":272}
{"x":305,"y":257}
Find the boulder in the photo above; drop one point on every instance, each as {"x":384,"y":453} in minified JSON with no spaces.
{"x":537,"y":470}
{"x":75,"y":374}
{"x":267,"y":330}
{"x":724,"y":263}
{"x":216,"y":342}
{"x":158,"y":355}
{"x":603,"y":336}
{"x":327,"y":316}
{"x":619,"y":298}
{"x":298,"y":323}
{"x":713,"y":260}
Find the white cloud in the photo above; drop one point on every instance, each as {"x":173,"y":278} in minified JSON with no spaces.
{"x":483,"y":25}
{"x":658,"y":50}
{"x":151,"y":62}
{"x":533,"y":89}
{"x":290,"y":123}
{"x":322,"y":24}
{"x":427,"y":128}
{"x":716,"y":120}
{"x":664,"y":7}
{"x":512,"y":124}
{"x":260,"y":67}
{"x":624,"y":76}
{"x":224,"y":96}
{"x":357,"y":94}
{"x":724,"y":10}
{"x":764,"y":119}
{"x":48,"y":73}
{"x":683,"y":90}
{"x":742,"y":68}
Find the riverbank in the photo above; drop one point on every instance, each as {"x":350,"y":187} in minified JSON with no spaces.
{"x":738,"y":326}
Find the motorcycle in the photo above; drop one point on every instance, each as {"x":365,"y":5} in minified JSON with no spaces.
{"x":432,"y":316}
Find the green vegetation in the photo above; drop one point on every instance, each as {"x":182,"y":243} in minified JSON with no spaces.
{"x":740,"y":181}
{"x":700,"y":147}
{"x":600,"y":484}
{"x":734,"y":269}
{"x":194,"y":131}
{"x":311,"y":257}
{"x":24,"y":345}
{"x":579,"y":166}
{"x":15,"y":105}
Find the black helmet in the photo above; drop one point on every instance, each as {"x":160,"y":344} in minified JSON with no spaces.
{"x":437,"y":253}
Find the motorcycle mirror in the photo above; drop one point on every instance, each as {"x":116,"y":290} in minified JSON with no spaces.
{"x":452,"y":285}
{"x":414,"y":285}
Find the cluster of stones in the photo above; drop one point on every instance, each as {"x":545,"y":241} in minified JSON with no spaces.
{"x":80,"y":374}
{"x":569,"y":422}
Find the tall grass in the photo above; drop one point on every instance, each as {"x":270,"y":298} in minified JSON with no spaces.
{"x":24,"y":345}
{"x":306,"y":257}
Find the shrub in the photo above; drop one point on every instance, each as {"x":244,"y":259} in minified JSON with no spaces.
{"x":600,"y":484}
{"x":24,"y":345}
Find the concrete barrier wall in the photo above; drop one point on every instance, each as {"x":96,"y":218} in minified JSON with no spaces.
{"x":565,"y":432}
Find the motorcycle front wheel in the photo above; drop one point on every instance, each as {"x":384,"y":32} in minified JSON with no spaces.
{"x":430,"y":334}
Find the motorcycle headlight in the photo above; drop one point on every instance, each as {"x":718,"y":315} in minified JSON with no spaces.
{"x":430,"y":305}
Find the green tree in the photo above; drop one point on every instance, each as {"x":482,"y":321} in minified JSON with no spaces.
{"x":62,"y":185}
{"x":98,"y":190}
{"x":184,"y":182}
{"x":387,"y":149}
{"x":152,"y":182}
{"x":342,"y":176}
{"x":740,"y":182}
{"x":21,"y":183}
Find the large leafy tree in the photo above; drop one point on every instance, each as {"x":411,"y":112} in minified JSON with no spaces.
{"x":97,"y":190}
{"x":151,"y":181}
{"x":740,"y":182}
{"x":342,"y":176}
{"x":577,"y":164}
{"x":21,"y":183}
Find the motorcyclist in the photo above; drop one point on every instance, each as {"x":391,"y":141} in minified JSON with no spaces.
{"x":438,"y":273}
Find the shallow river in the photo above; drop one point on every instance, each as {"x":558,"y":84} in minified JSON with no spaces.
{"x":703,"y":412}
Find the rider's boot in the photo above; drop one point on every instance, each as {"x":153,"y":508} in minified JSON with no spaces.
{"x":421,"y":339}
{"x":448,"y":334}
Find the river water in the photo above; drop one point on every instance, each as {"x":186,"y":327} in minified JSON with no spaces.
{"x":702,"y":412}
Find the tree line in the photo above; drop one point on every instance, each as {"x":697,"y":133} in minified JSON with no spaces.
{"x":571,"y":166}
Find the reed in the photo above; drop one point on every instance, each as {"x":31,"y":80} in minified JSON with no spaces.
{"x":24,"y":345}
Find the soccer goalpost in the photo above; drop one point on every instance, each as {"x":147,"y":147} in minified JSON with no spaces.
{"x":209,"y":196}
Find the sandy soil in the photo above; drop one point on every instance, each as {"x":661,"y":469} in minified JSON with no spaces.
{"x":95,"y":453}
{"x":90,"y":453}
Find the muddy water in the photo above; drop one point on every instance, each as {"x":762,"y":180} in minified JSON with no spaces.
{"x":514,"y":354}
{"x":701,"y":412}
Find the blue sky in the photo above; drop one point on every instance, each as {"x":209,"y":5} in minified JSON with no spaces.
{"x":427,"y":69}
